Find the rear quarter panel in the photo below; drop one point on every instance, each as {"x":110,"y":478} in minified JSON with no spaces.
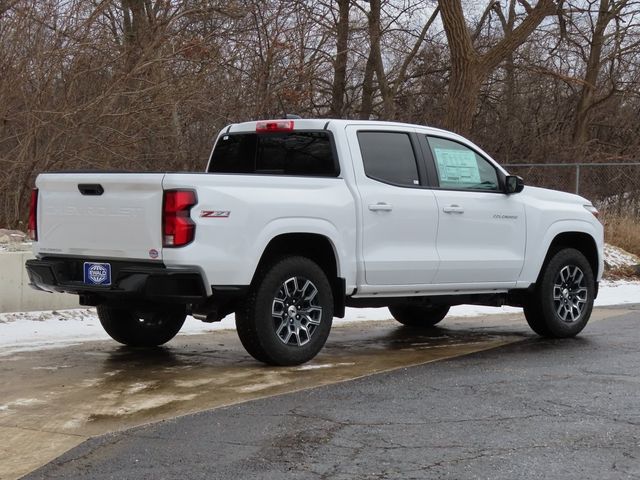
{"x":228,"y":248}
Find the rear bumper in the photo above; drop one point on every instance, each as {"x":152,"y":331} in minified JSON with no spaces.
{"x":136,"y":281}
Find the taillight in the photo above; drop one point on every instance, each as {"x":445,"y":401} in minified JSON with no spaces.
{"x":32,"y":230}
{"x":177,"y":227}
{"x":274,"y":126}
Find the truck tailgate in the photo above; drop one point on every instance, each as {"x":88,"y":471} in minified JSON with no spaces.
{"x":100,"y":215}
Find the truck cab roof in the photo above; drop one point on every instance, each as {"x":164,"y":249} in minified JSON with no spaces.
{"x":330,"y":124}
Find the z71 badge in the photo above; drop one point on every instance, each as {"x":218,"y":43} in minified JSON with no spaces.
{"x":215,"y":213}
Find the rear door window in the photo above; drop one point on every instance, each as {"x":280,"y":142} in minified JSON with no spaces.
{"x":389,"y":157}
{"x":296,"y":153}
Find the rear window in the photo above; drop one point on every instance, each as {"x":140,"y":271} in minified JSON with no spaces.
{"x":296,"y":153}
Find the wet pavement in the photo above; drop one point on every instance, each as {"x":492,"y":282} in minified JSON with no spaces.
{"x":52,"y":400}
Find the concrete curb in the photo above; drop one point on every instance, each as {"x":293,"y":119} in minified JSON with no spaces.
{"x":15,"y":293}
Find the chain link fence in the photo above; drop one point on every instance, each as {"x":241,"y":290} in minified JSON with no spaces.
{"x":613,"y":187}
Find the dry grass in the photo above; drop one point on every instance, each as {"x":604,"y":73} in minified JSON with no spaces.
{"x":623,"y":232}
{"x":621,"y":273}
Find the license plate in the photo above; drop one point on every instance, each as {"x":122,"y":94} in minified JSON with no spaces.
{"x":97,"y":273}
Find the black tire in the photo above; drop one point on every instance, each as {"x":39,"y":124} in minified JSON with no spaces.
{"x":419,"y":315}
{"x":141,"y":330}
{"x":277,"y":325}
{"x":562,"y":302}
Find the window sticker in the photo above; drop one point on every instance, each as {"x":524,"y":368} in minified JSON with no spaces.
{"x":457,"y":166}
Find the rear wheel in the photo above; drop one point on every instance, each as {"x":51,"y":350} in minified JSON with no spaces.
{"x":287,"y":316}
{"x":419,"y":315}
{"x":141,"y":329}
{"x":562,"y":302}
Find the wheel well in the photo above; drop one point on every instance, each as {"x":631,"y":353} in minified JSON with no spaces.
{"x":580,"y":241}
{"x":315,"y":247}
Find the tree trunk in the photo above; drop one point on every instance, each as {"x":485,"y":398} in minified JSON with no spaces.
{"x":469,"y":68}
{"x":587,"y":94}
{"x":367,"y":89}
{"x":375,"y":33}
{"x":464,"y":90}
{"x":508,"y":22}
{"x":136,"y":31}
{"x":373,"y":60}
{"x":340,"y":63}
{"x":465,"y":79}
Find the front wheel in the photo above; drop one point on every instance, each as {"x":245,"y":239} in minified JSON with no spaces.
{"x":287,"y":315}
{"x":138,"y":329}
{"x":562,"y":302}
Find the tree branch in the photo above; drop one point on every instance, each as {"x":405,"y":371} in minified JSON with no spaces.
{"x":517,"y":37}
{"x":414,"y":51}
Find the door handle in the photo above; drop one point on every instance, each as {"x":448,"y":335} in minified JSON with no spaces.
{"x":453,"y":209}
{"x":380,"y":207}
{"x":90,"y":188}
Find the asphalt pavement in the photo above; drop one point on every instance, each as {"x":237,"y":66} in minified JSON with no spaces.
{"x":531,"y":409}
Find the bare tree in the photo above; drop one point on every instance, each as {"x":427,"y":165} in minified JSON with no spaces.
{"x":374,"y":61}
{"x":469,"y":67}
{"x":340,"y":63}
{"x":608,"y":11}
{"x":145,"y":84}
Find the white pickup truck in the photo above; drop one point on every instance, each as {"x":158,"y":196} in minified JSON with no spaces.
{"x":294,"y":220}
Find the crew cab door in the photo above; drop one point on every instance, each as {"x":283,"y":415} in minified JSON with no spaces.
{"x":398,"y":214}
{"x":481,"y":230}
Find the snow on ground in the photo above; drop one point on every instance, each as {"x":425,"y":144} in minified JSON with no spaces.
{"x":26,"y":331}
{"x":15,"y":247}
{"x":615,"y":257}
{"x":13,"y":241}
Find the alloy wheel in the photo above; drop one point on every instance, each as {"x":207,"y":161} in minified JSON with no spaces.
{"x":570,"y":293}
{"x":296,"y":311}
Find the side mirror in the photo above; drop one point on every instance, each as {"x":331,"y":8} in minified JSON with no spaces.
{"x":513,"y":184}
